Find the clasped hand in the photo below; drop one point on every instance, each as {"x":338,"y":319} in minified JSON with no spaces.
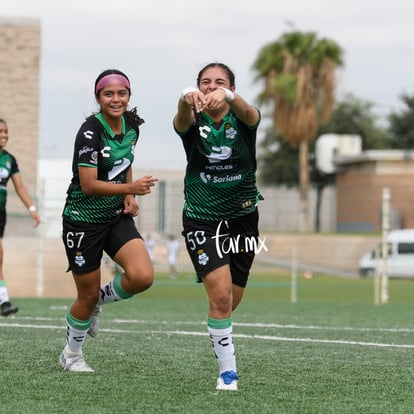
{"x":214,"y":100}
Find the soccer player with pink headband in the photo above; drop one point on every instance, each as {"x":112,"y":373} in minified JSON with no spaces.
{"x":99,"y":211}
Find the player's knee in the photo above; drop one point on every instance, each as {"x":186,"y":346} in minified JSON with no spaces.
{"x":146,"y":280}
{"x":140,"y":281}
{"x":222,"y":304}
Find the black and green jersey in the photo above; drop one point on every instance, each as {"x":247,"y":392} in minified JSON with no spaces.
{"x":8,"y":167}
{"x":220,"y":181}
{"x":96,"y":146}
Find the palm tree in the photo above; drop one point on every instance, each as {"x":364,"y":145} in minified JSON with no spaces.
{"x":299,"y":78}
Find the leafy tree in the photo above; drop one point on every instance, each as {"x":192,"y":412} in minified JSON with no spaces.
{"x":401,"y":125}
{"x":354,"y":116}
{"x":351,"y":115}
{"x":278,"y":161}
{"x":298,"y":71}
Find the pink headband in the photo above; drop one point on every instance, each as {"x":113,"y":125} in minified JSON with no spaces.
{"x":111,"y":78}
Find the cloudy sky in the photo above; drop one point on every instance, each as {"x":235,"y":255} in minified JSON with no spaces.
{"x":162,"y":44}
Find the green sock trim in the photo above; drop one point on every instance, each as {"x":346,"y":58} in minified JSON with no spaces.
{"x":2,"y":283}
{"x":219,"y":323}
{"x":119,"y":290}
{"x":76,"y":323}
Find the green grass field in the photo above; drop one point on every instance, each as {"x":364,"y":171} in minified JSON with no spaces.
{"x":332,"y":352}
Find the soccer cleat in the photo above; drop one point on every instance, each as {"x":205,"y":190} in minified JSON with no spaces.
{"x":227,"y":381}
{"x":7,"y":308}
{"x":94,"y":328}
{"x":73,"y":362}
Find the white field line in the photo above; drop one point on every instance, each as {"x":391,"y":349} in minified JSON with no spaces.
{"x":11,"y":324}
{"x":243,"y":324}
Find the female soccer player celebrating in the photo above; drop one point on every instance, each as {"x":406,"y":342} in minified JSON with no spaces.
{"x":220,"y":218}
{"x":98,"y":214}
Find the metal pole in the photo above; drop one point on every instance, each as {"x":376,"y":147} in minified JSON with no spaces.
{"x":377,"y":280}
{"x":385,"y":231}
{"x":40,"y":235}
{"x":294,"y":280}
{"x":161,"y":206}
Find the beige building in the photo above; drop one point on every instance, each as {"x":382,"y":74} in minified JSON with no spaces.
{"x":20,"y":43}
{"x":359,"y":185}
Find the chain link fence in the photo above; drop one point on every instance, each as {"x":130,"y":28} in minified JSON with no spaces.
{"x":35,"y":261}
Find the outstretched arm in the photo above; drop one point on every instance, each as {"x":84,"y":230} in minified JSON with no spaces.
{"x":191,"y":100}
{"x":25,"y":197}
{"x":246,"y":112}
